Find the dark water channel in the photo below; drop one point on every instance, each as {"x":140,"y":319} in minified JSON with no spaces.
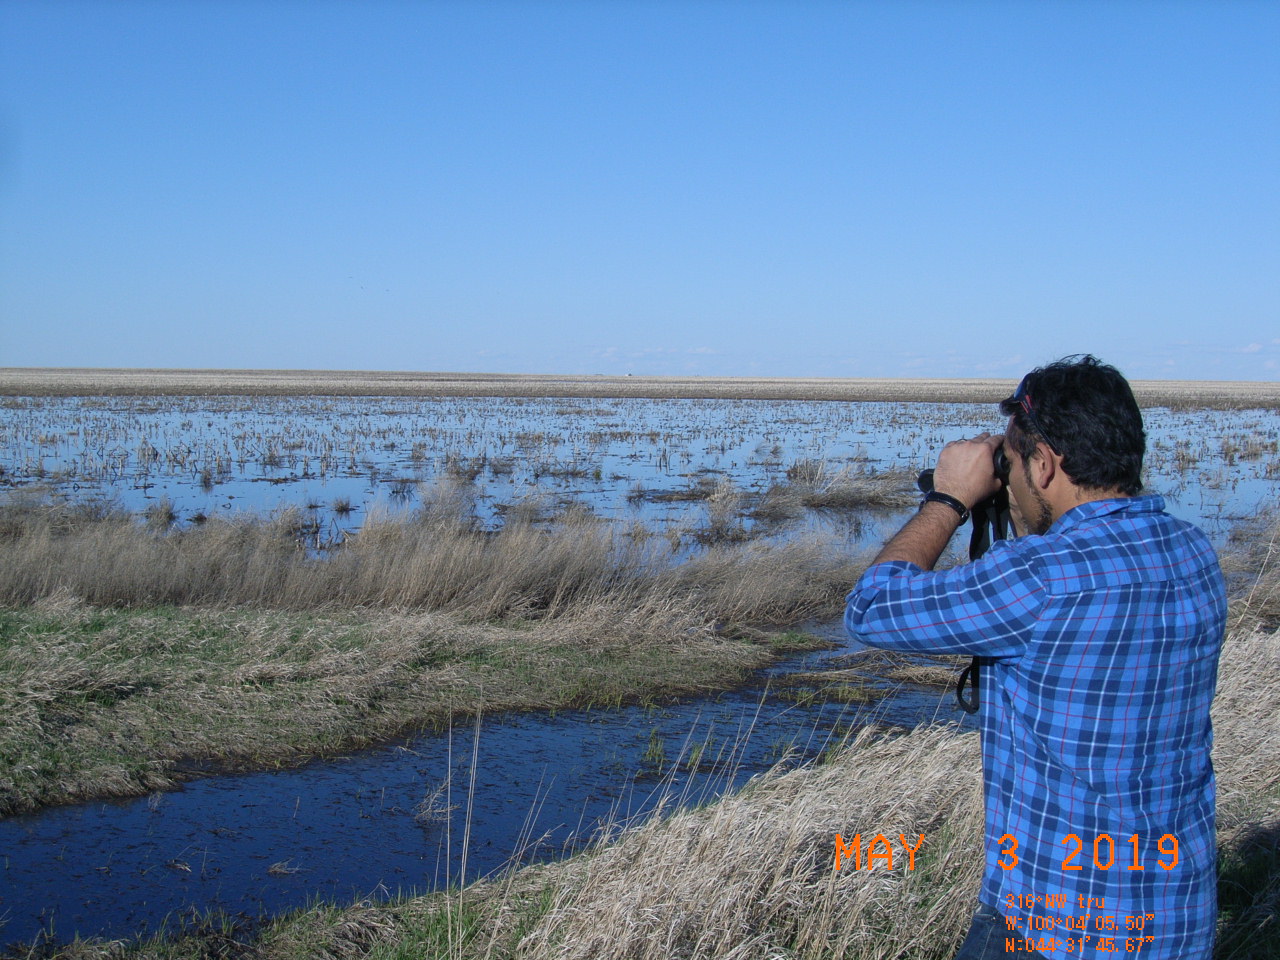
{"x":531,"y":786}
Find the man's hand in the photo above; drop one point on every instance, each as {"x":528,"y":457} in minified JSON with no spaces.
{"x":966,"y":469}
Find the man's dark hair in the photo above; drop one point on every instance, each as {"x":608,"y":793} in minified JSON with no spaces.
{"x":1085,"y":410}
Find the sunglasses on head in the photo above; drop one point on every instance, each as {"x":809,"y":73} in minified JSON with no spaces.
{"x":1023,"y":398}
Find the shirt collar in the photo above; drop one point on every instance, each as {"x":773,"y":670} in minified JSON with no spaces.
{"x":1151,"y":503}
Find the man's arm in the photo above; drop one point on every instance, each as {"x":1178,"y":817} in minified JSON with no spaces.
{"x":965,"y":471}
{"x":923,"y":538}
{"x":981,"y":608}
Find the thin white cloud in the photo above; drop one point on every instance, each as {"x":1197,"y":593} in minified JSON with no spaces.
{"x":642,"y":353}
{"x":1008,"y":366}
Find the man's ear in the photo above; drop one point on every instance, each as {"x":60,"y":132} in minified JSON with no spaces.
{"x":1044,"y":467}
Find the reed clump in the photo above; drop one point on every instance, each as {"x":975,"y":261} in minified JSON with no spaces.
{"x":810,"y":484}
{"x":434,"y":559}
{"x":851,"y":488}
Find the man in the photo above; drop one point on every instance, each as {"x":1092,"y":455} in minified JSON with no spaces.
{"x":1099,"y":631}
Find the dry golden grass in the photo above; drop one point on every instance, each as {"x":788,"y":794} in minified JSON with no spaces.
{"x":753,"y":875}
{"x":1246,"y":717}
{"x":1254,"y":555}
{"x":67,"y":381}
{"x":432,"y":560}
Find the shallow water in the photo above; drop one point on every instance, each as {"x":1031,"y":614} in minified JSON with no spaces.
{"x":530,"y":787}
{"x":210,"y":455}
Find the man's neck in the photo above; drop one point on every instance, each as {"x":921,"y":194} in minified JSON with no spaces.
{"x":1068,"y":496}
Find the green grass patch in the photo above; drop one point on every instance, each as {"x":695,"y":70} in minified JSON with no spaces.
{"x":806,"y":696}
{"x":796,"y":641}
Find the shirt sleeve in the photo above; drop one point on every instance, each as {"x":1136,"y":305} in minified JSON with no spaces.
{"x":984,"y":608}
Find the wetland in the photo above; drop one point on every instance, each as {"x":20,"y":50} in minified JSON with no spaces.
{"x":279,"y":621}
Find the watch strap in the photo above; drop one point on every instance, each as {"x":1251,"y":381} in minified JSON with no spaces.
{"x":933,"y":496}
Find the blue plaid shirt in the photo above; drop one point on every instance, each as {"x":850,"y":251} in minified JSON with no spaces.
{"x":1104,"y":637}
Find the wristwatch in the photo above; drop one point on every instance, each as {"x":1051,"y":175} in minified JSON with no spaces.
{"x":933,"y":496}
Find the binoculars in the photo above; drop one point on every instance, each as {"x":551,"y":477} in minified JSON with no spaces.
{"x":990,"y":518}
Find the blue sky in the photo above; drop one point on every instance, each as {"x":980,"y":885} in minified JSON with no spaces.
{"x":700,"y":187}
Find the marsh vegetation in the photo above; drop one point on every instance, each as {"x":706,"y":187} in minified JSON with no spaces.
{"x":751,"y":467}
{"x":130,"y":658}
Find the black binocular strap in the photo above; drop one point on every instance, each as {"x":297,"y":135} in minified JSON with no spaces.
{"x":968,"y":677}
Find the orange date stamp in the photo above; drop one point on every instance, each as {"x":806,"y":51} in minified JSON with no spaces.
{"x":1105,"y":854}
{"x":878,"y":851}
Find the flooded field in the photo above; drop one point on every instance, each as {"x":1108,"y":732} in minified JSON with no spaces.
{"x":674,"y":464}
